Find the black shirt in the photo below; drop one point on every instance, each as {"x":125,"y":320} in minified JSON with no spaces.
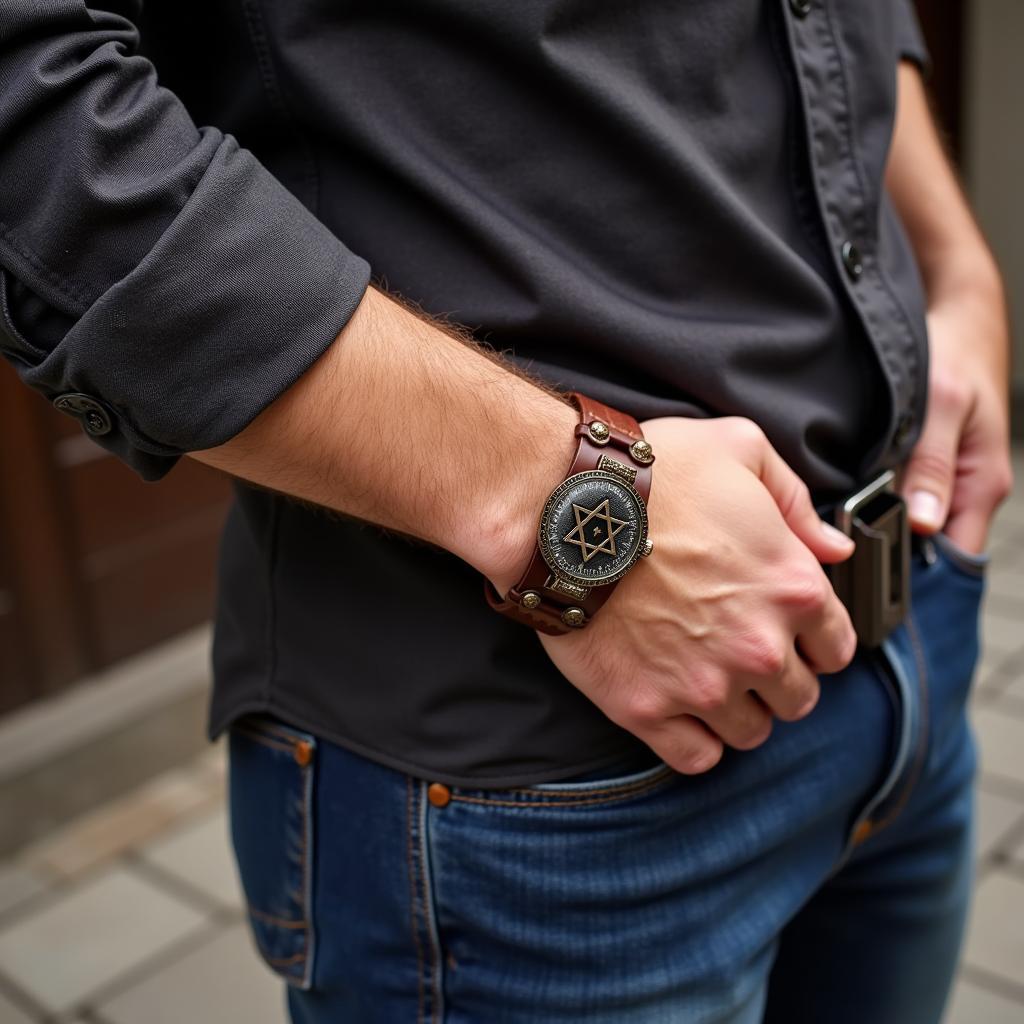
{"x":677,"y":208}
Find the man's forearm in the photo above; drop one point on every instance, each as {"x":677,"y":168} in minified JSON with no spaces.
{"x":403,"y":425}
{"x":959,"y":470}
{"x":950,"y":249}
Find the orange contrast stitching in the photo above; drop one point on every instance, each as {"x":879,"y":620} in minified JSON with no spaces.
{"x":266,"y":741}
{"x":280,"y":922}
{"x":435,"y":967}
{"x":919,"y":753}
{"x":279,"y":732}
{"x":286,"y":961}
{"x":412,"y":901}
{"x":303,"y":853}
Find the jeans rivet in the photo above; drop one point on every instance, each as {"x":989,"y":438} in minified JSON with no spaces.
{"x":439,"y":794}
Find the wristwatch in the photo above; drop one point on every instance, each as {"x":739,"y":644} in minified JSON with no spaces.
{"x":593,"y":527}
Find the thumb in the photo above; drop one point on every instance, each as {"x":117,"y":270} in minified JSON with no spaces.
{"x":826,"y":543}
{"x":931,"y":473}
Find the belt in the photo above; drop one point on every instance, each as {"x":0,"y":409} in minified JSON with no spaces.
{"x":874,"y":582}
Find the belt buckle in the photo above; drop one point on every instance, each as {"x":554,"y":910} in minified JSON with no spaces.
{"x":874,"y":582}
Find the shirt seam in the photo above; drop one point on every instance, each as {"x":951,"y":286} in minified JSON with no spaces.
{"x":274,"y":91}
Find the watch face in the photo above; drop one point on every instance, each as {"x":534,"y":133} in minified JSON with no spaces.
{"x":593,"y":528}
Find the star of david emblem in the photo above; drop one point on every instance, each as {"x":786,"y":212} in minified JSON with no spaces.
{"x":605,"y":526}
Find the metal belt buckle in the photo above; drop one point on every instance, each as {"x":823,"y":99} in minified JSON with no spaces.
{"x":874,"y":582}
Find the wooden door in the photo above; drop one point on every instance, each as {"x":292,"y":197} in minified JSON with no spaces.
{"x":95,"y":564}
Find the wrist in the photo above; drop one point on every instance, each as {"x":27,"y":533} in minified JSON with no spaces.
{"x":505,"y":532}
{"x":964,"y":274}
{"x":597,"y":511}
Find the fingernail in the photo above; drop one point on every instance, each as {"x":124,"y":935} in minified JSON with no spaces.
{"x":926,"y":509}
{"x":834,"y":535}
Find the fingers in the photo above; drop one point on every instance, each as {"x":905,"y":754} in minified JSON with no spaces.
{"x":686,"y":744}
{"x":746,"y":722}
{"x":984,"y":478}
{"x":828,"y":643}
{"x":794,"y":501}
{"x":931,"y":472}
{"x":814,"y":616}
{"x":969,"y":529}
{"x":794,"y":694}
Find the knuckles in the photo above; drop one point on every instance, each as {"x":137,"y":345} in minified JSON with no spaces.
{"x":806,"y":592}
{"x":932,"y":464}
{"x":646,"y":709}
{"x":949,"y":392}
{"x":707,"y":692}
{"x":744,"y":433}
{"x":764,"y":656}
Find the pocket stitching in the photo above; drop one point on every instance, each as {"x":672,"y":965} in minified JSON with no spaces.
{"x":264,"y":740}
{"x":531,"y":798}
{"x":281,"y":922}
{"x":302,"y":960}
{"x":966,"y":562}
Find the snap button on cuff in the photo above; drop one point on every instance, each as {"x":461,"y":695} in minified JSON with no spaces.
{"x":801,"y":8}
{"x":94,"y":418}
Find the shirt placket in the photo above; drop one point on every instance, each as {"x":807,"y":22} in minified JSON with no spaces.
{"x":838,"y":183}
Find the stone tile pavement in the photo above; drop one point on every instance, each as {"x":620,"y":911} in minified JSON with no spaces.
{"x":132,"y":914}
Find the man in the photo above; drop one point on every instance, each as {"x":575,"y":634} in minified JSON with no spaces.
{"x":706,"y":804}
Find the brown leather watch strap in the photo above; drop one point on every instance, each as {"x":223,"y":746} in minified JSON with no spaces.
{"x":609,"y":440}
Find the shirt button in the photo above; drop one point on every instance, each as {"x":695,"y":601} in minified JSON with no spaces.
{"x":801,"y":8}
{"x":852,"y":260}
{"x":904,"y":428}
{"x":94,"y":418}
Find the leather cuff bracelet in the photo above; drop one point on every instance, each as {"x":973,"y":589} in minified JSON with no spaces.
{"x":593,"y":527}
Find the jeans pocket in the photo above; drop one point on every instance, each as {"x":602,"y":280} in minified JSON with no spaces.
{"x":966,"y":562}
{"x":595,"y":790}
{"x":625,"y":773}
{"x":272,"y":770}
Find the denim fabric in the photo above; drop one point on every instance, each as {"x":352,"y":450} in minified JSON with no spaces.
{"x":822,"y":877}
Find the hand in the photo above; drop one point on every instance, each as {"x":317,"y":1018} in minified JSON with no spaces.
{"x":960,"y":470}
{"x":730,"y":619}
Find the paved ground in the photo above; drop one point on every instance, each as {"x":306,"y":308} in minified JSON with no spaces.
{"x":132,"y":915}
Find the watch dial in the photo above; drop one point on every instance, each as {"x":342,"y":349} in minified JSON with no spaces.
{"x":592,"y":528}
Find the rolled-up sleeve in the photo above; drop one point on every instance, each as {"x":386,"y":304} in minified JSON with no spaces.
{"x":155,"y":279}
{"x":909,"y":37}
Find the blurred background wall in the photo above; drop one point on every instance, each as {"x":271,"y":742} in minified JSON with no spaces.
{"x":993,"y":143}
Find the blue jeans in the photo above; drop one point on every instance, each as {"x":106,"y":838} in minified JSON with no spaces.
{"x":823,"y":877}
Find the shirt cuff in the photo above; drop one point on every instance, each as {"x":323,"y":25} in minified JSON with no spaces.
{"x":241,"y":294}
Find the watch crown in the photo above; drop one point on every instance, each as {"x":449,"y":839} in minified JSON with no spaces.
{"x":647,"y":548}
{"x":642,"y":451}
{"x":599,"y":432}
{"x":530,"y":599}
{"x":573,"y":617}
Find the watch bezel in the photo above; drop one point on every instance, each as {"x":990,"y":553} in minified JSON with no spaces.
{"x":556,"y":495}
